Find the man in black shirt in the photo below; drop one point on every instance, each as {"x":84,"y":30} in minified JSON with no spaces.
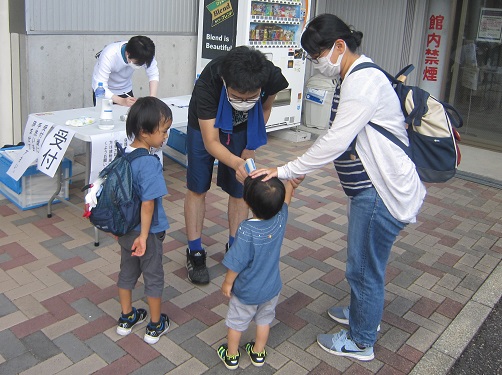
{"x":230,"y":105}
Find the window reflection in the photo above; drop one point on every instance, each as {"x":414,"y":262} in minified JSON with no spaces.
{"x":474,"y":85}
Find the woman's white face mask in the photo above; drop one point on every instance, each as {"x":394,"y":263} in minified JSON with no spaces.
{"x":326,"y":67}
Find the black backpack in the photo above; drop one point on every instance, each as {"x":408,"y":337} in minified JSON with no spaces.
{"x":118,"y":208}
{"x":431,"y":126}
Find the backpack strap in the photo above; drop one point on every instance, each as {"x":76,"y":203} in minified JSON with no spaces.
{"x":453,"y":115}
{"x":394,"y":81}
{"x":391,"y":137}
{"x":390,"y":77}
{"x":420,"y":96}
{"x":132,"y":155}
{"x":403,"y":73}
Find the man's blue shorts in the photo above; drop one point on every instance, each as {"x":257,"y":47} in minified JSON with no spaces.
{"x":200,"y":163}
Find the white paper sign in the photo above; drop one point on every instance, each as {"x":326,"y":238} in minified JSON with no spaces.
{"x":490,"y":25}
{"x":53,"y":149}
{"x":24,"y":158}
{"x":35,"y":131}
{"x":103,"y":150}
{"x":470,"y":76}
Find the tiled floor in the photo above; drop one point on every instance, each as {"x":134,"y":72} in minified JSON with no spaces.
{"x":58,"y":299}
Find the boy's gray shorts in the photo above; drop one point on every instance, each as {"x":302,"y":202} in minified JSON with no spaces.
{"x":240,"y":315}
{"x":150,"y":264}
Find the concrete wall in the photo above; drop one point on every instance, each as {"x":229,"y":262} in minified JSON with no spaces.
{"x":55,"y":70}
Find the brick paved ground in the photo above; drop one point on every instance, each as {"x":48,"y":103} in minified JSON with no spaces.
{"x":58,"y":299}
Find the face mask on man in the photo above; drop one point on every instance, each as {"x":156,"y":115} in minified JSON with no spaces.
{"x":134,"y":66}
{"x":326,"y":67}
{"x":242,"y":106}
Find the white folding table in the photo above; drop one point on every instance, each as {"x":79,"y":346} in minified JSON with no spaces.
{"x":85,"y":133}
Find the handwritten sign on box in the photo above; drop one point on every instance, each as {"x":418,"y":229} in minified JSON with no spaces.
{"x":35,"y":132}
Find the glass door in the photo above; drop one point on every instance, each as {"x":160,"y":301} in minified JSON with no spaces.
{"x":474,"y":84}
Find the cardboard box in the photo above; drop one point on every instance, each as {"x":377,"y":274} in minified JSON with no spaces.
{"x":33,"y":189}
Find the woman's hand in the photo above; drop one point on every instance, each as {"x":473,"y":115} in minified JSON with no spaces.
{"x":269,"y":172}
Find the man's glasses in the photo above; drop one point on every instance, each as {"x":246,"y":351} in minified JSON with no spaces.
{"x":240,"y":100}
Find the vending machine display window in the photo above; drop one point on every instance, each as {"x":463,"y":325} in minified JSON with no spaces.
{"x":275,"y":23}
{"x":272,"y":26}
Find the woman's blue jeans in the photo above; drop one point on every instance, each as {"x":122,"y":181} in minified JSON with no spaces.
{"x":371,"y":234}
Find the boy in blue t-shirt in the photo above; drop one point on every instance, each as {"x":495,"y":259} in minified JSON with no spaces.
{"x":253,"y":280}
{"x":141,"y":249}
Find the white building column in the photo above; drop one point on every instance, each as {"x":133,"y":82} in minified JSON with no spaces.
{"x":6,"y":127}
{"x":434,"y":57}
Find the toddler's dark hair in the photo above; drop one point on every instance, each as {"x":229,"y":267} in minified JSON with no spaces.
{"x":264,"y":198}
{"x":146,"y":114}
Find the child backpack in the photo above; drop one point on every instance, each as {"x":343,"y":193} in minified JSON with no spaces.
{"x":431,"y":127}
{"x":118,"y":207}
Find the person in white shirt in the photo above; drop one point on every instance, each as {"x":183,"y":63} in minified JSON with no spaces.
{"x":116,"y":64}
{"x":383,"y":187}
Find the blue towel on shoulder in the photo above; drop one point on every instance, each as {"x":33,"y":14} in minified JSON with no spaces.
{"x":256,"y":133}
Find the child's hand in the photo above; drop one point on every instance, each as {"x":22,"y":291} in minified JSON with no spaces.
{"x":226,"y":288}
{"x":138,"y":247}
{"x":295,"y":182}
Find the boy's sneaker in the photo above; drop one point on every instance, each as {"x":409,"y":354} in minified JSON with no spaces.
{"x":226,"y":248}
{"x":341,"y":344}
{"x":125,"y":325}
{"x":257,"y":359}
{"x":231,"y":361}
{"x":153,"y":332}
{"x":341,"y":315}
{"x":196,"y":267}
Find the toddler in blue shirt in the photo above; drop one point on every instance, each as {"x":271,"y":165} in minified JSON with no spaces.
{"x":253,"y":281}
{"x":141,"y":249}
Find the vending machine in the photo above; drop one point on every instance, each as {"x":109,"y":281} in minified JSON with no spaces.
{"x":272,"y":26}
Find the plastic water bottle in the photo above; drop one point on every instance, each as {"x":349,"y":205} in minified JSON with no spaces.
{"x":99,"y":93}
{"x":106,"y":117}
